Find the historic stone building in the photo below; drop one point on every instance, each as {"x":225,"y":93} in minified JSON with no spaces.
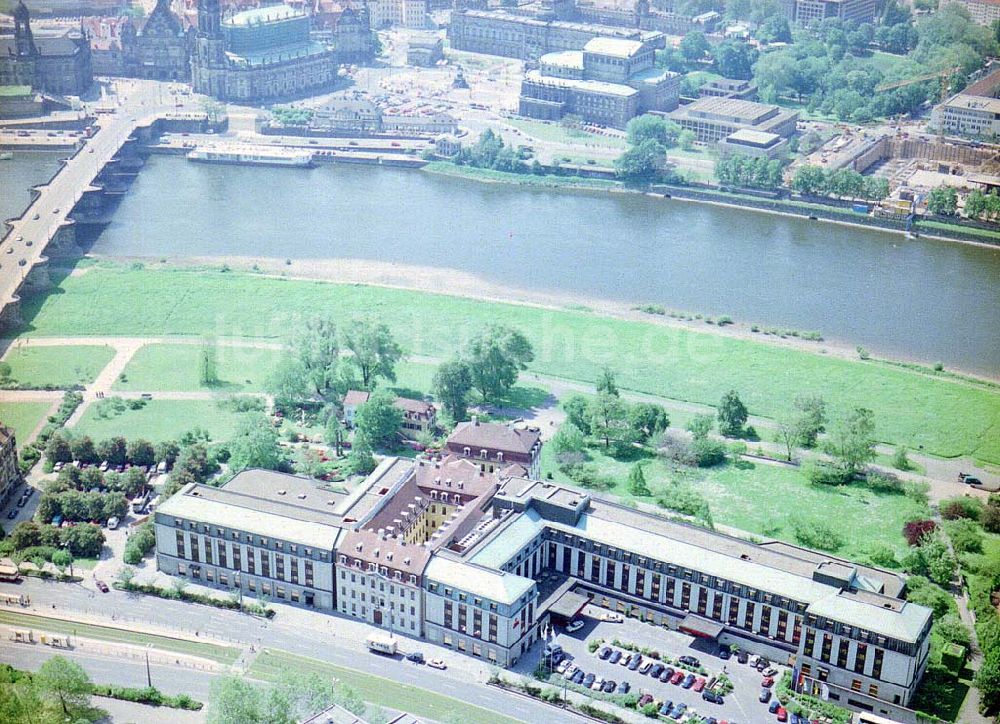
{"x":499,"y":32}
{"x":608,"y":83}
{"x":160,"y":50}
{"x":10,"y":471}
{"x":258,"y":55}
{"x":53,"y":64}
{"x":352,"y":36}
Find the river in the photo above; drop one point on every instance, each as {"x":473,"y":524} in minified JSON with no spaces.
{"x":918,"y":299}
{"x":19,"y":174}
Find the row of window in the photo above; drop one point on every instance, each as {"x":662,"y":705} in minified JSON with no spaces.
{"x":249,"y":539}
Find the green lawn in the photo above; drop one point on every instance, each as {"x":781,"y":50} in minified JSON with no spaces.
{"x":555,"y":133}
{"x":23,"y":417}
{"x":213,"y":652}
{"x":59,"y":367}
{"x":936,"y":414}
{"x":757,"y":498}
{"x":175,"y":367}
{"x":159,"y":420}
{"x":271,"y":665}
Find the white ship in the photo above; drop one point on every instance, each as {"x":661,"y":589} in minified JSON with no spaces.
{"x":253,"y":155}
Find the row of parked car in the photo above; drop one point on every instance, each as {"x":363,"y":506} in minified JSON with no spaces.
{"x":22,"y":501}
{"x":658,"y":670}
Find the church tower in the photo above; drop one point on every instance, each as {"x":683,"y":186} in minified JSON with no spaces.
{"x":208,"y":62}
{"x":23,"y":40}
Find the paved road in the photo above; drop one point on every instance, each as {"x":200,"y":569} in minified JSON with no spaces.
{"x":328,"y":638}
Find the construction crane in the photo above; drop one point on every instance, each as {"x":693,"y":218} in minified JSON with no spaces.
{"x":942,"y":74}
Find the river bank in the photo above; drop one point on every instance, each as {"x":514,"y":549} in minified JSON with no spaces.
{"x":926,"y":411}
{"x":784,"y":207}
{"x":464,"y":285}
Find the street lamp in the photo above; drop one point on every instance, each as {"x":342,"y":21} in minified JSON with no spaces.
{"x":66,"y":546}
{"x":149,"y":674}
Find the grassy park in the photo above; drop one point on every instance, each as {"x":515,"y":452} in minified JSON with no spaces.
{"x":157,"y":420}
{"x":57,"y":367}
{"x":271,"y":665}
{"x":932,"y":413}
{"x":23,"y":417}
{"x":175,"y":367}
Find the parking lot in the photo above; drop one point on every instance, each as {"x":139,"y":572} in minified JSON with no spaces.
{"x":741,"y":705}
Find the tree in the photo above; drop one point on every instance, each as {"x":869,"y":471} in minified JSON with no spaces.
{"x":452,"y":383}
{"x":335,"y":433}
{"x":987,"y":679}
{"x":287,"y":383}
{"x":932,"y":558}
{"x":378,"y":421}
{"x":114,"y":450}
{"x":234,"y":701}
{"x":774,"y":30}
{"x":568,"y":438}
{"x":606,"y":383}
{"x":735,"y":59}
{"x":375,"y":352}
{"x":608,"y":417}
{"x":809,"y":180}
{"x":65,"y":682}
{"x":652,"y":128}
{"x":648,"y":419}
{"x":83,"y":450}
{"x":700,"y":426}
{"x":852,"y":440}
{"x":915,"y":530}
{"x":811,"y":420}
{"x":141,"y":452}
{"x":208,"y":363}
{"x":642,"y":162}
{"x":732,"y":414}
{"x":166,"y":452}
{"x":943,"y":201}
{"x":637,"y":482}
{"x":255,"y":444}
{"x":975,"y":204}
{"x":694,"y":45}
{"x":57,"y":448}
{"x":495,"y":357}
{"x":314,"y":346}
{"x":362,"y":459}
{"x":86,"y":540}
{"x":578,"y":412}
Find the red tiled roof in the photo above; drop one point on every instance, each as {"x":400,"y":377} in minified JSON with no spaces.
{"x":493,"y":436}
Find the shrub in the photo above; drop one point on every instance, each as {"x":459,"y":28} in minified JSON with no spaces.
{"x":884,"y":482}
{"x":587,"y":475}
{"x":651,"y":710}
{"x":966,"y":536}
{"x":139,"y":544}
{"x":882,"y":554}
{"x":817,"y":535}
{"x":684,"y":499}
{"x":961,"y":507}
{"x":915,"y":530}
{"x":708,"y":453}
{"x":822,"y":473}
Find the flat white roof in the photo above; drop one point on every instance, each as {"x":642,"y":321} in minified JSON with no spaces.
{"x":618,"y":47}
{"x":187,"y":506}
{"x":564,"y":58}
{"x":495,"y":585}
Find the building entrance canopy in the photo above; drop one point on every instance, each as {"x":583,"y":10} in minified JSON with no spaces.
{"x":702,"y":627}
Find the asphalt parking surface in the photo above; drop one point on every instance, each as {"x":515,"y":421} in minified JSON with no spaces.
{"x":741,"y":705}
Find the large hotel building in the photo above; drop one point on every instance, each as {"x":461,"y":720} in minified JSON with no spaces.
{"x":481,"y":557}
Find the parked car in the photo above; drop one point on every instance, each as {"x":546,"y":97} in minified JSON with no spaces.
{"x":612,"y":617}
{"x":688,"y":681}
{"x":666,"y":707}
{"x":762,"y":664}
{"x":767,"y":682}
{"x":765,"y":696}
{"x":725,"y":653}
{"x":775,"y":705}
{"x":615,"y":657}
{"x":677,"y":678}
{"x":12,"y":514}
{"x":609,"y":686}
{"x":635,"y":663}
{"x":627,"y":659}
{"x":624,"y":687}
{"x":742,"y":657}
{"x":645,"y":699}
{"x":699,"y":684}
{"x":588,"y":680}
{"x":574,"y":626}
{"x":770,"y":671}
{"x":598,"y":683}
{"x":563,"y":666}
{"x":437,"y":664}
{"x":102,"y":587}
{"x":416,"y":657}
{"x":113,"y":522}
{"x":782,"y":714}
{"x":689,"y":661}
{"x":972,"y":480}
{"x":712,"y":697}
{"x":578,"y":676}
{"x":666,"y":674}
{"x":654,"y":673}
{"x":678,"y":711}
{"x":646,"y":667}
{"x":604,"y":652}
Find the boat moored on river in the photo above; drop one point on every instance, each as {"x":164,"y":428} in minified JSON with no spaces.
{"x":252,"y":155}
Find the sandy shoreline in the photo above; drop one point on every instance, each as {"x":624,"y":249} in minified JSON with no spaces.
{"x":453,"y":282}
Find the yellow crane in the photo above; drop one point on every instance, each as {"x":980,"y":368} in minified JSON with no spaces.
{"x":918,"y":79}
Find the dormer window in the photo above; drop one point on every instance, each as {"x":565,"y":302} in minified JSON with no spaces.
{"x":483,"y":453}
{"x":468,"y":452}
{"x":499,"y":457}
